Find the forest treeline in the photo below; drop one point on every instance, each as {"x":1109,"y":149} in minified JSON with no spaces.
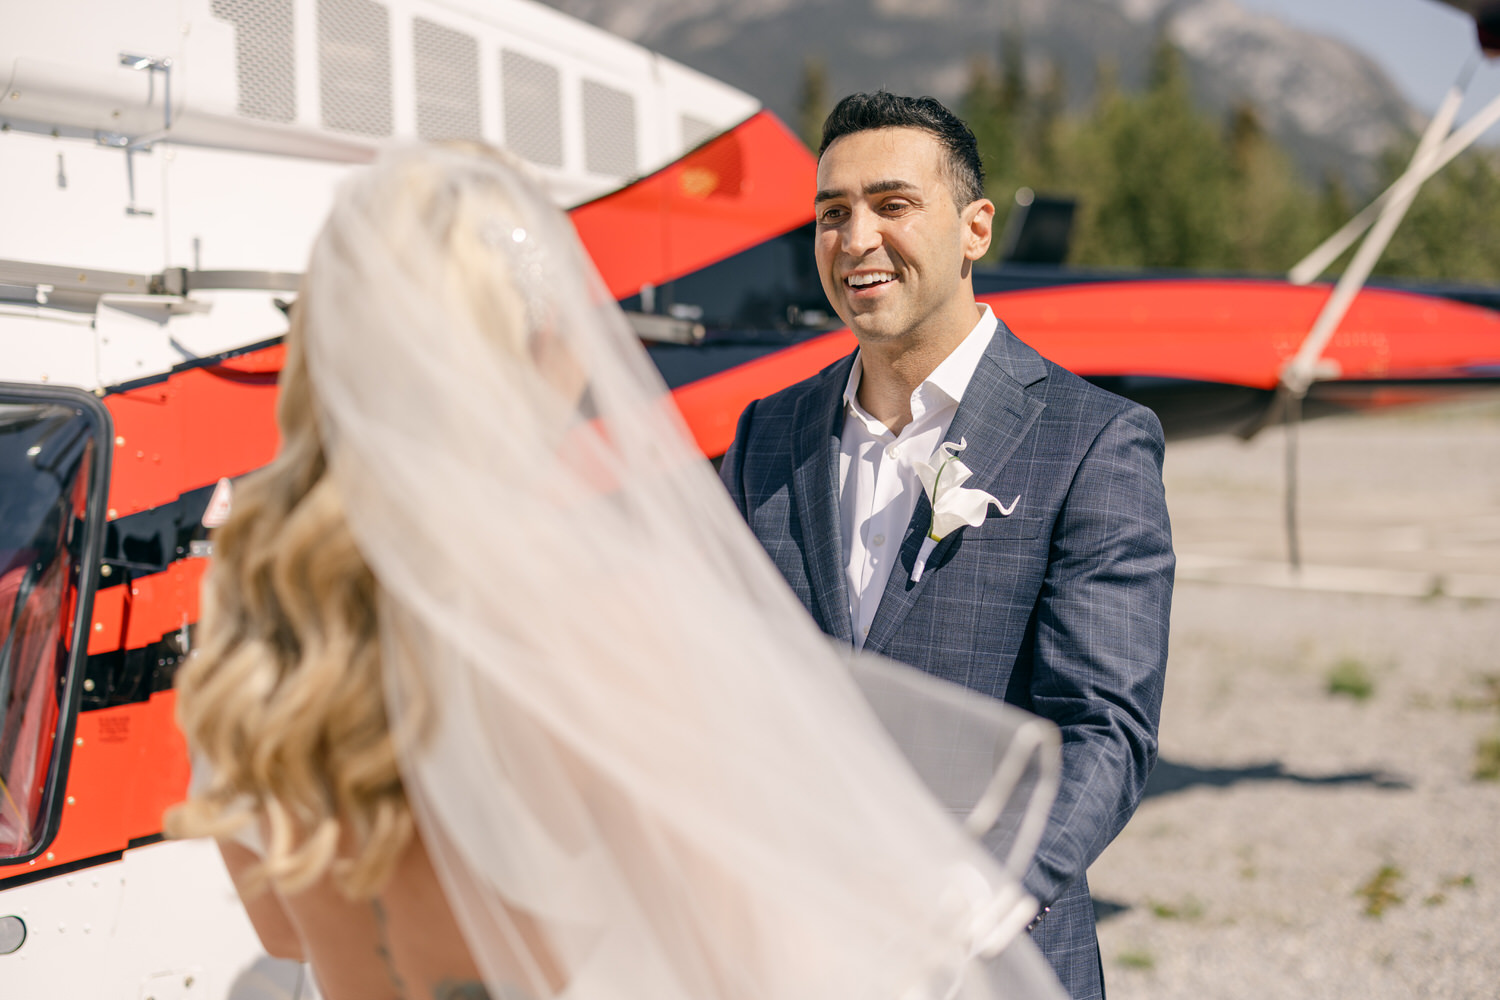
{"x":1161,"y":183}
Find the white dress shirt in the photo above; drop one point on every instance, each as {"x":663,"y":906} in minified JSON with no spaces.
{"x":878,"y":488}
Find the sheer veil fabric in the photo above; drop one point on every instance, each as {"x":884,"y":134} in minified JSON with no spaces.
{"x":641,"y":771}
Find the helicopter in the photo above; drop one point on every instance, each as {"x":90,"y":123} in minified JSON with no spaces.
{"x":166,"y":168}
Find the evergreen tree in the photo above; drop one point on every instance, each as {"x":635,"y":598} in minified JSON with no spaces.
{"x":1274,"y":221}
{"x":1044,"y":128}
{"x":980,"y":108}
{"x":989,"y":106}
{"x":1017,"y":132}
{"x":1335,"y":207}
{"x":1161,"y":184}
{"x":1452,"y":230}
{"x":1158,"y":178}
{"x":1013,"y":90}
{"x":1245,"y":135}
{"x":813,"y":105}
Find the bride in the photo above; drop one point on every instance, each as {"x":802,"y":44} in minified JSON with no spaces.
{"x":496,"y":696}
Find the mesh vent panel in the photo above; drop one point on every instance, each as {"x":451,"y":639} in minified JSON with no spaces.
{"x":354,"y":66}
{"x":532,"y":92}
{"x":447,"y":66}
{"x":608,"y":130}
{"x":696,"y":131}
{"x":264,"y":57}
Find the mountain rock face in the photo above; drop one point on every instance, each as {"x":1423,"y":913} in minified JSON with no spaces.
{"x":1331,"y":106}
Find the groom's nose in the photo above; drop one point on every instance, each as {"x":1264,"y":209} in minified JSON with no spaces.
{"x":862,"y":233}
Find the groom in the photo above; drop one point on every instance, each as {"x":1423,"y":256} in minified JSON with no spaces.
{"x":1058,"y":600}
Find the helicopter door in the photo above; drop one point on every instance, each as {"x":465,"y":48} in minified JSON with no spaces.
{"x":54,"y":470}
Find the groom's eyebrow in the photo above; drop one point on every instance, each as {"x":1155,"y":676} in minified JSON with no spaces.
{"x":874,"y":187}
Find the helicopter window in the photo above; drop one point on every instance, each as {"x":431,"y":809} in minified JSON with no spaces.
{"x":354,"y":66}
{"x":49,"y":502}
{"x":447,"y":81}
{"x":264,"y":56}
{"x":608,"y":130}
{"x":532,"y":93}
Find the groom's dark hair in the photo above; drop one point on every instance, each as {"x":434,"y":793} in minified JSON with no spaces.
{"x":882,"y":109}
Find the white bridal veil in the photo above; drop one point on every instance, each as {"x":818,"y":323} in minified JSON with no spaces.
{"x":645,"y":773}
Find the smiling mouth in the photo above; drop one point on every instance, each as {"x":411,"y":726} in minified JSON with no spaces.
{"x":869,"y":279}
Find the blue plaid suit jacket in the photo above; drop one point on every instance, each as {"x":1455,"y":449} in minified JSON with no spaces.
{"x":1060,"y":608}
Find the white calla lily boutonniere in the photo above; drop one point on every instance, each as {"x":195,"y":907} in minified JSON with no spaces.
{"x":943,"y":477}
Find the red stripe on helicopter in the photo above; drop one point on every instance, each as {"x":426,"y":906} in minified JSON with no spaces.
{"x":712,"y":406}
{"x":129,"y":763}
{"x":192,"y":428}
{"x":753,"y":182}
{"x":1242,"y":332}
{"x":141,"y":611}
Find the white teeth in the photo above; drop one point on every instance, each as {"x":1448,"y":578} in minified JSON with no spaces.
{"x":860,"y":280}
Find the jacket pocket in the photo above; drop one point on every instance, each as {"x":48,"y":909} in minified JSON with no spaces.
{"x":1017,"y":527}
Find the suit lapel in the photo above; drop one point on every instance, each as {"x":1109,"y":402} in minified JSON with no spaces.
{"x":815,"y":455}
{"x":993,"y":418}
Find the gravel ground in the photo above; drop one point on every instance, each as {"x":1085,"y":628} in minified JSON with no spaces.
{"x":1315,"y":826}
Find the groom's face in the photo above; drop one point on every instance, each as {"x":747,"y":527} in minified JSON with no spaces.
{"x":893,"y":250}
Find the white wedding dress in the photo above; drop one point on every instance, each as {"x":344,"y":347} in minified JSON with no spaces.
{"x":635,"y":736}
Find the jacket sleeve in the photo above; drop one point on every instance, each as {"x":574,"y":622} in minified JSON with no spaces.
{"x":731,"y":470}
{"x":1100,"y":653}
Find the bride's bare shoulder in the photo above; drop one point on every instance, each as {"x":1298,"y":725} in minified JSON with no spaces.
{"x":403,"y":944}
{"x":419,"y":939}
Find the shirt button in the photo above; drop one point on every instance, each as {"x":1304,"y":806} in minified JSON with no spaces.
{"x":878,"y":540}
{"x":892,"y":451}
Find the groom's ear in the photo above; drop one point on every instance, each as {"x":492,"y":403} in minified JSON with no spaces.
{"x":979,"y":228}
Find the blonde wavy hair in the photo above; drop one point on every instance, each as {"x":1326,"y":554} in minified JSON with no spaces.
{"x":283,"y":697}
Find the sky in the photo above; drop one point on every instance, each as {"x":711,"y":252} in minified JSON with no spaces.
{"x":1421,"y":44}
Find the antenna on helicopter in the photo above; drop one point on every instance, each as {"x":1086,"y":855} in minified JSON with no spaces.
{"x":1377,"y":223}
